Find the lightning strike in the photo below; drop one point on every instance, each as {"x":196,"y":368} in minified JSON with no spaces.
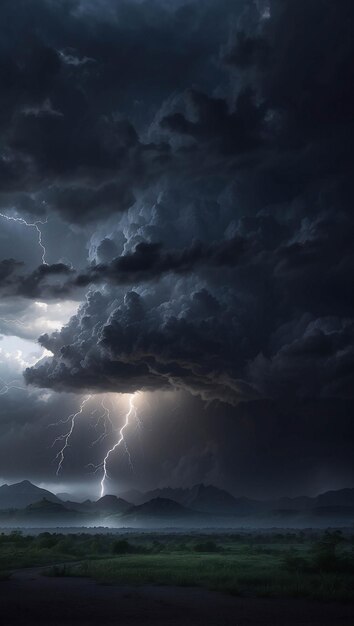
{"x":131,"y":412}
{"x":7,"y":386}
{"x":12,"y":321}
{"x":60,"y":457}
{"x":105,"y":417}
{"x":35,"y":225}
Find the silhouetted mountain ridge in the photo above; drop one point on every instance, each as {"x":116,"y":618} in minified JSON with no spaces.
{"x":20,"y":495}
{"x":202,"y":498}
{"x":160,"y":506}
{"x":204,"y":504}
{"x":46,"y":508}
{"x":211,"y":499}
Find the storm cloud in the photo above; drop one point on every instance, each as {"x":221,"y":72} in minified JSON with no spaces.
{"x":264,"y":172}
{"x":193,"y":160}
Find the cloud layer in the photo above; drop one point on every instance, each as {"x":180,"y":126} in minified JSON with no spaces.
{"x":193,"y":160}
{"x":237,"y":247}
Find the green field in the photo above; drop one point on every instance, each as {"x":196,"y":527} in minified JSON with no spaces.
{"x":316,"y":565}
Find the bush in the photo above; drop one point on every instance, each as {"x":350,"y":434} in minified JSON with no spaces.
{"x":292,"y":562}
{"x":123,"y":547}
{"x":47,"y":540}
{"x":324,"y":554}
{"x":207,"y":546}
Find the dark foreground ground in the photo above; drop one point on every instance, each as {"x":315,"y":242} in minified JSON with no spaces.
{"x":28,"y":598}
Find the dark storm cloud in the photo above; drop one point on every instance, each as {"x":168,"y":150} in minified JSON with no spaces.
{"x":227,"y":345}
{"x":248,"y":51}
{"x":71,"y":75}
{"x":228,"y":132}
{"x":36,"y":284}
{"x":194,"y":161}
{"x":229,"y":186}
{"x":32,"y":286}
{"x":7,"y":268}
{"x":59,"y":147}
{"x":140,"y":347}
{"x":149,"y":261}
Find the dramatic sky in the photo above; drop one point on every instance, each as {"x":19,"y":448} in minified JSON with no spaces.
{"x":176,"y":223}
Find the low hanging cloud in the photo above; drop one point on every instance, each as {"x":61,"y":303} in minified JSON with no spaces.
{"x":139,"y":347}
{"x":234,"y":345}
{"x":47,"y":281}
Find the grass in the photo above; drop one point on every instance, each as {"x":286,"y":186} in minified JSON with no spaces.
{"x":315,"y":566}
{"x":57,"y":571}
{"x":259,"y":575}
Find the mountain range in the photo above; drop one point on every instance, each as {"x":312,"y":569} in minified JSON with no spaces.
{"x":20,"y":495}
{"x":201,"y":505}
{"x":210,"y":499}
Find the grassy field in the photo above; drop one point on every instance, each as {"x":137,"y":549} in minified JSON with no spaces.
{"x":240,"y":575}
{"x":316,"y":565}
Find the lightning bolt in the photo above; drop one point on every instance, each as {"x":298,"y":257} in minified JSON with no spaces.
{"x":35,"y":225}
{"x":131,"y":412}
{"x":7,"y":386}
{"x":105,"y":417}
{"x":60,"y":457}
{"x":12,"y":321}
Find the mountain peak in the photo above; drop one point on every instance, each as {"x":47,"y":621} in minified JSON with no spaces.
{"x":112,"y":504}
{"x":24,"y":485}
{"x":23,"y":493}
{"x":107,"y":498}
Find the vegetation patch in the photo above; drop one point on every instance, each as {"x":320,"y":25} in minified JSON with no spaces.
{"x":316,"y":565}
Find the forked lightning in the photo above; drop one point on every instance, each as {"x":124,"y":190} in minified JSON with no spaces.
{"x":35,"y":225}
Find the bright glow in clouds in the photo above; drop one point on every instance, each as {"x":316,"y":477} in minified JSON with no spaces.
{"x":36,"y":318}
{"x":266,"y":15}
{"x":16,"y":354}
{"x":18,"y":346}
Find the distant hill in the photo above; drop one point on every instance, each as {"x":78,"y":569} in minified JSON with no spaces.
{"x":160,"y":507}
{"x":341,"y":497}
{"x":200,"y":505}
{"x":25,"y":496}
{"x":294,"y":504}
{"x":21,"y":494}
{"x":170,"y":493}
{"x":206,"y":499}
{"x":156,"y":511}
{"x":209,"y":499}
{"x":42,"y":513}
{"x":335,"y":511}
{"x":68,"y":496}
{"x":46,"y":509}
{"x":107,"y":505}
{"x":133,"y":496}
{"x":82,"y":507}
{"x":215,"y":501}
{"x":111,"y":504}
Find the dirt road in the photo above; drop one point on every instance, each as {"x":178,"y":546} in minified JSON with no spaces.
{"x":31,"y":599}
